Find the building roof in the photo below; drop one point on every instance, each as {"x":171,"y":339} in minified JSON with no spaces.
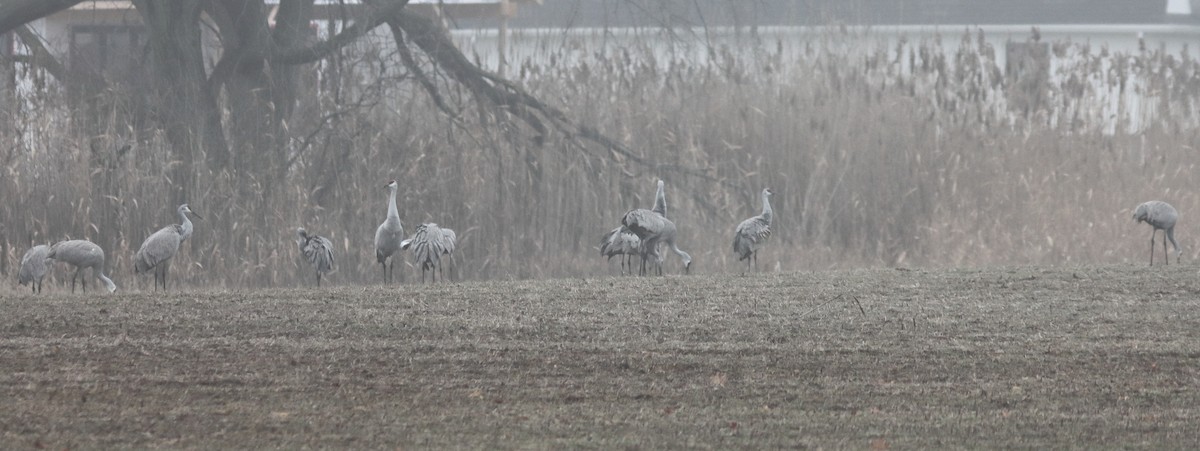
{"x":649,"y":13}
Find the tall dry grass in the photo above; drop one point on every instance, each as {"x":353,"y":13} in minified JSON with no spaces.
{"x":897,"y":155}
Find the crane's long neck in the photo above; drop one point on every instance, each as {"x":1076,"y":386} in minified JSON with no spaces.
{"x":767,"y":212}
{"x":112,"y":287}
{"x":393,"y":212}
{"x":660,"y":200}
{"x":185,"y":225}
{"x":687,"y":259}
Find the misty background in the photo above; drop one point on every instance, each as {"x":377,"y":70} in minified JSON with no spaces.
{"x":910,"y":133}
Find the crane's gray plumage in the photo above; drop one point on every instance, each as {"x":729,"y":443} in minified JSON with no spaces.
{"x":621,"y":242}
{"x":1159,"y":215}
{"x":317,"y":250}
{"x":34,"y":265}
{"x":388,"y":236}
{"x":653,"y":228}
{"x":82,"y":254}
{"x":449,"y":242}
{"x":158,"y":250}
{"x":753,"y":233}
{"x":428,"y":244}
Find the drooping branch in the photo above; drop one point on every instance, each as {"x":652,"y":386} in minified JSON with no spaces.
{"x":410,"y":62}
{"x":15,"y":13}
{"x":507,"y":95}
{"x":320,"y":50}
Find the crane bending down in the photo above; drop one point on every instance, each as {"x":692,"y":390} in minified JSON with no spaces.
{"x":317,"y":250}
{"x":428,"y":244}
{"x":158,"y":250}
{"x":34,"y":265}
{"x":653,"y":228}
{"x":623,"y":242}
{"x":82,"y":254}
{"x":1159,"y":215}
{"x":753,"y":233}
{"x":388,"y":236}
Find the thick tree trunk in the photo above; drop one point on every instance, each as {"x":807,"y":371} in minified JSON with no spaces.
{"x":186,"y":107}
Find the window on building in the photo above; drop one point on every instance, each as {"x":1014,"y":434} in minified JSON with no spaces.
{"x":109,"y":52}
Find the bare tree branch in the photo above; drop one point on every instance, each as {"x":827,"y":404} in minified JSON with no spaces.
{"x":14,"y":13}
{"x":39,"y":55}
{"x":410,"y":62}
{"x":348,"y":35}
{"x":512,"y":98}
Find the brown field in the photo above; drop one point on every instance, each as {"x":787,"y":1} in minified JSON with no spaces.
{"x":1043,"y":357}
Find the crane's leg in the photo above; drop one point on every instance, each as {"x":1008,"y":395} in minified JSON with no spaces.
{"x":76,"y":276}
{"x":1152,"y":246}
{"x":1166,"y":256}
{"x":1171,"y":236}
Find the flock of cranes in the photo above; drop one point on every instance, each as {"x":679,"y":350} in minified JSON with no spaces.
{"x":430,"y":245}
{"x":643,"y":233}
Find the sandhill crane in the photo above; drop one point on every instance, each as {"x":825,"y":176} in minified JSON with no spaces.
{"x":157,"y":251}
{"x":428,"y":244}
{"x":317,"y":250}
{"x":388,"y":236}
{"x":449,"y":242}
{"x":33,"y":267}
{"x":653,"y":228}
{"x":753,"y":233}
{"x":623,"y":242}
{"x":82,"y":254}
{"x":1159,"y":215}
{"x":617,"y":241}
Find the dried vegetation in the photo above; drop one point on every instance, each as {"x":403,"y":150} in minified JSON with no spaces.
{"x":907,"y":154}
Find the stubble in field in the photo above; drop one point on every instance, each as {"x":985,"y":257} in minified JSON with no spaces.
{"x":1023,"y":356}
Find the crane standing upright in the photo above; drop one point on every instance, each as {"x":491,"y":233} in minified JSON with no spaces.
{"x":754,"y":232}
{"x":388,"y":236}
{"x":158,"y":250}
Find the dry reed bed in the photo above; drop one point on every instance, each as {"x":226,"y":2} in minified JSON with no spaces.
{"x":874,"y":162}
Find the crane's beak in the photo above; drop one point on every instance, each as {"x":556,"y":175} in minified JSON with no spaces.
{"x":197,"y":215}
